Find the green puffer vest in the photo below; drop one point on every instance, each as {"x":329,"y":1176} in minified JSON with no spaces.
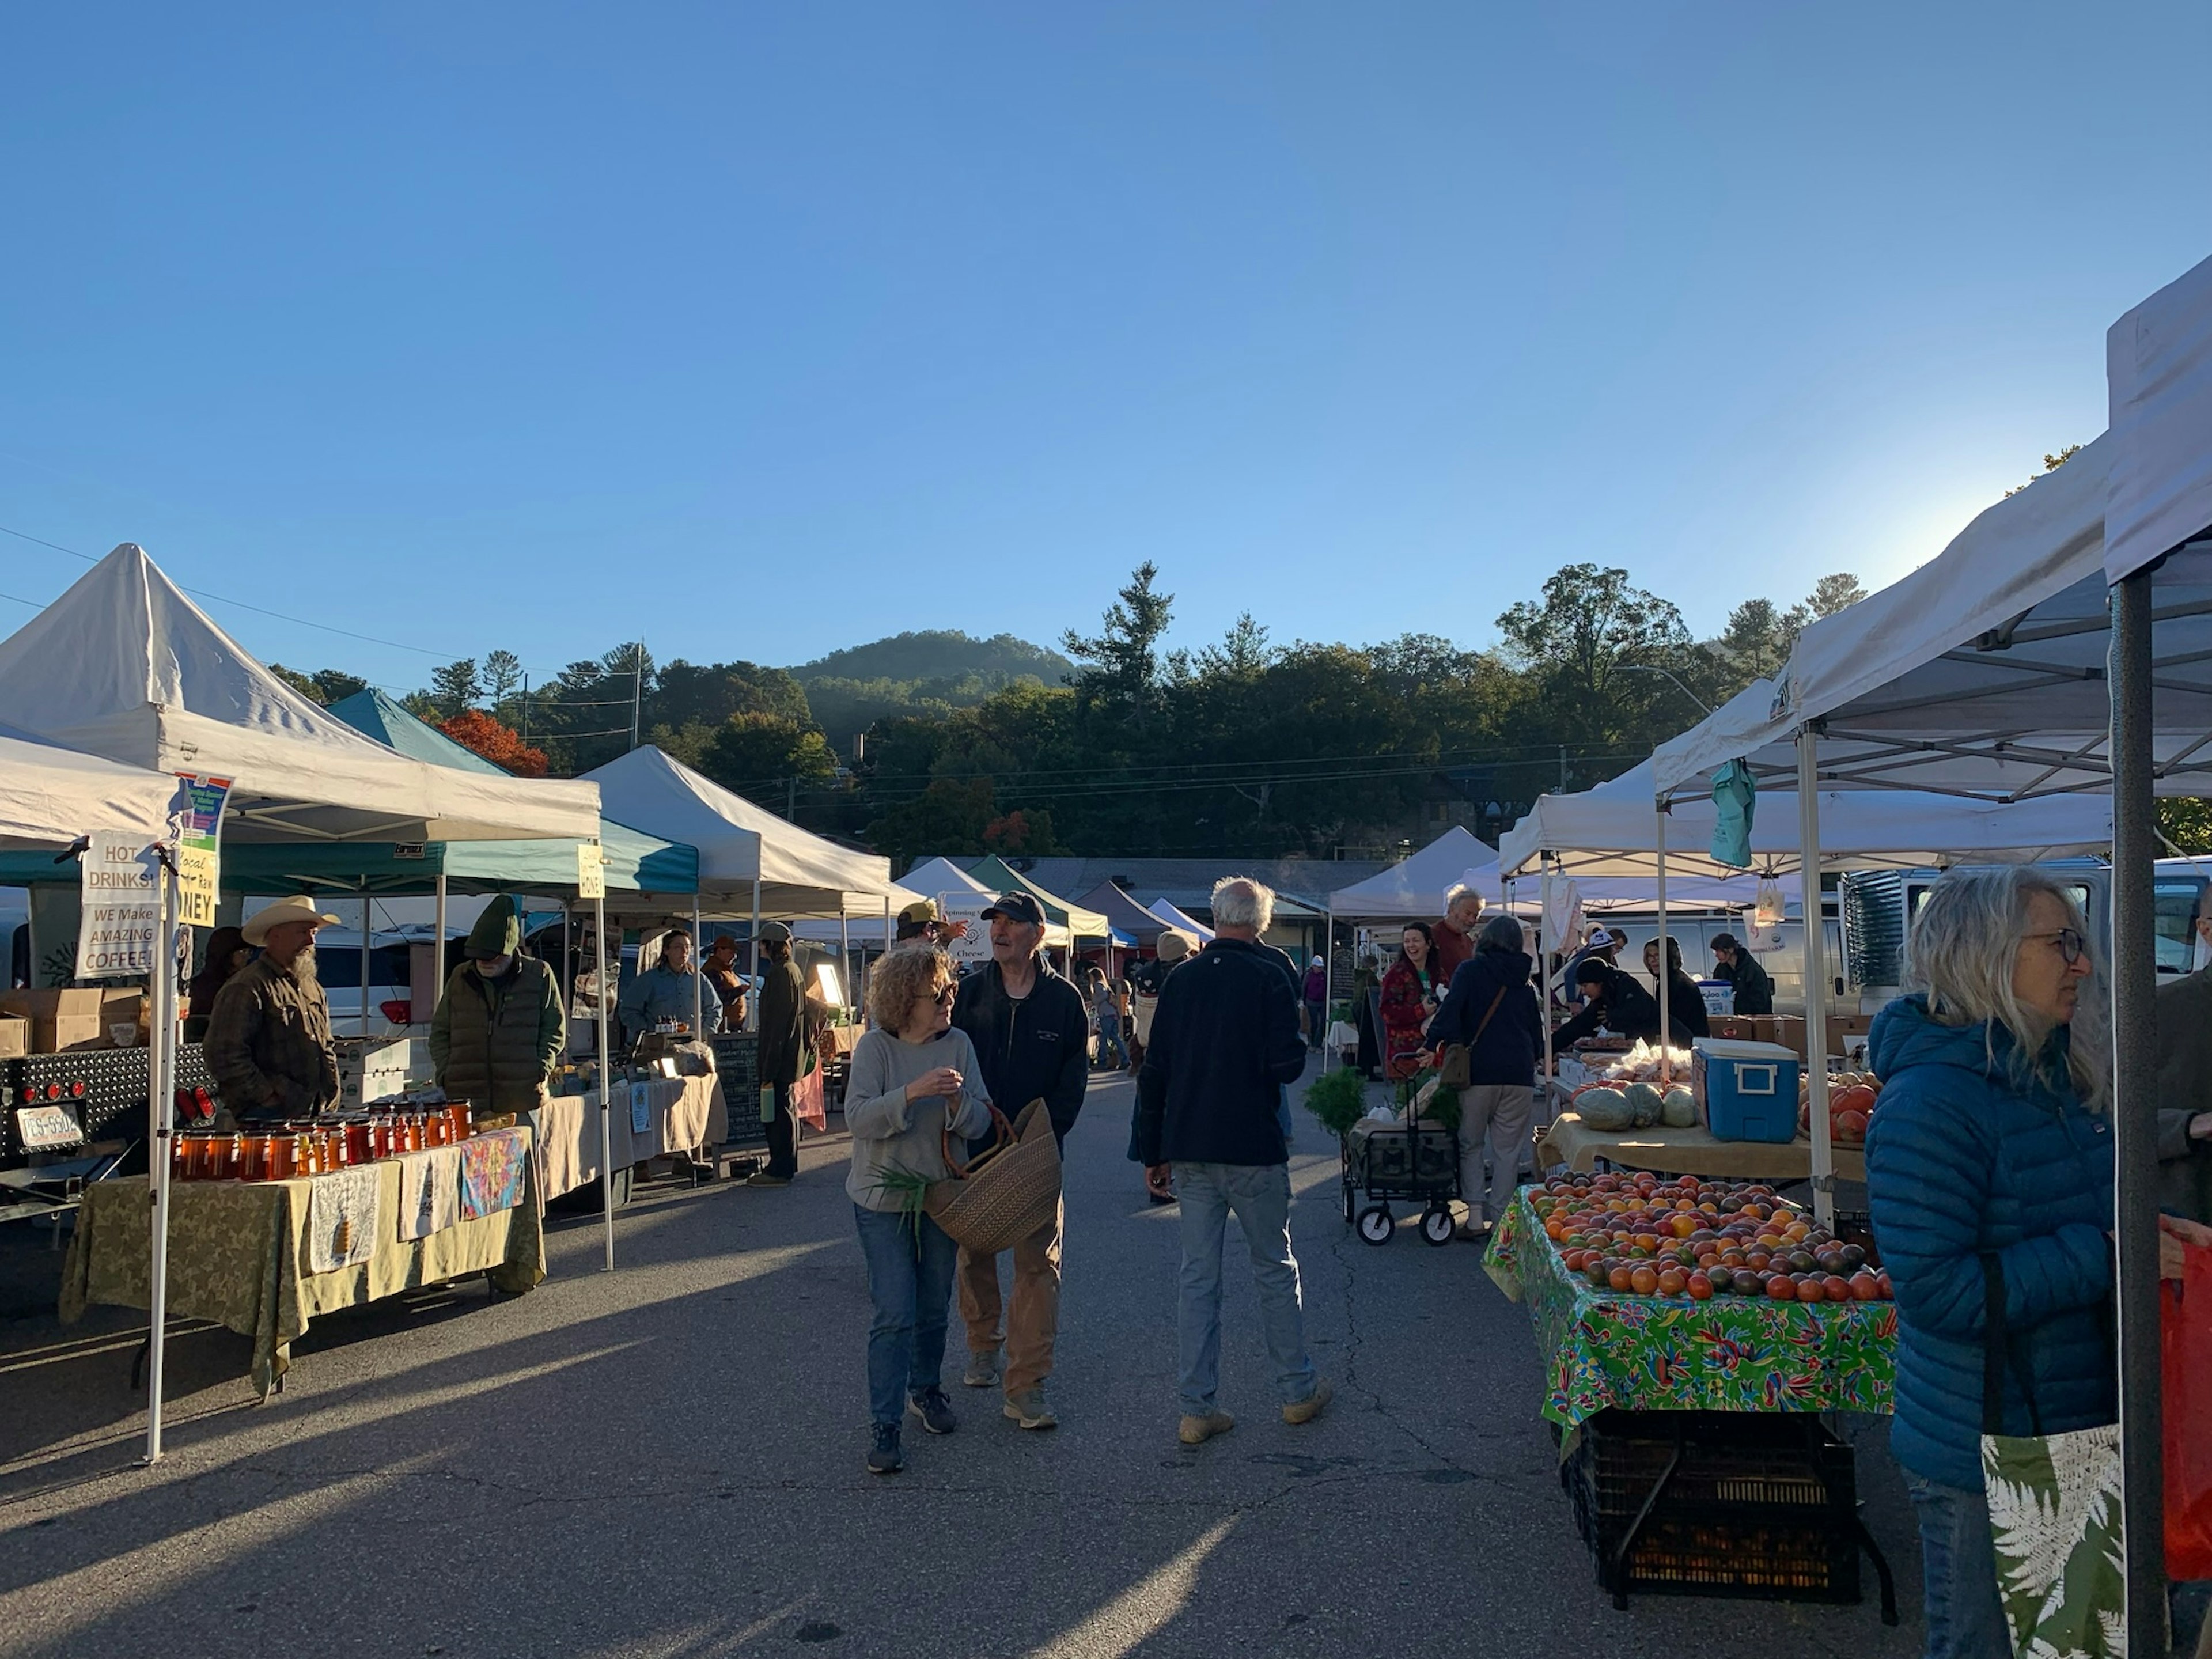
{"x":497,"y":1036}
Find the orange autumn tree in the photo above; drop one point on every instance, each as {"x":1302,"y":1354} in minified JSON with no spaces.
{"x":500,"y":745}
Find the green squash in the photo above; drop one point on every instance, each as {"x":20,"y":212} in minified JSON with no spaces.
{"x":1607,"y":1110}
{"x":1679,"y":1110}
{"x":1643,"y":1101}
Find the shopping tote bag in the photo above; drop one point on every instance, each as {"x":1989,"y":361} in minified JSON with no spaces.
{"x":2054,"y":1512}
{"x":2185,"y":1386}
{"x":808,"y":1102}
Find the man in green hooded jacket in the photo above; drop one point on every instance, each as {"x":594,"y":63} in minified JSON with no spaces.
{"x":499,"y":1028}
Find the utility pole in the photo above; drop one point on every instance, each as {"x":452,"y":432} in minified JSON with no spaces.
{"x":791,"y":798}
{"x":526,"y":711}
{"x":1563,"y":768}
{"x":636,"y":687}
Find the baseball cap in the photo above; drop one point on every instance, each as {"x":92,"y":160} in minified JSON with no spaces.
{"x":921,"y":910}
{"x":1173,"y":946}
{"x":1016,"y":907}
{"x":775,"y":932}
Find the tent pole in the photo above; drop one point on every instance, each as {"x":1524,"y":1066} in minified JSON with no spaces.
{"x":698,"y":975}
{"x":600,"y":980}
{"x":565,"y":979}
{"x":2134,"y":1050}
{"x":161,"y":1106}
{"x":1551,"y":952}
{"x":1327,"y":974}
{"x":845,"y":960}
{"x":1666,"y":979}
{"x":438,"y":950}
{"x":364,"y":984}
{"x":1816,"y":973}
{"x":753,"y":1002}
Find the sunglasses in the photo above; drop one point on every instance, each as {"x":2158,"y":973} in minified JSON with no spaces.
{"x":945,"y":993}
{"x":2072,"y":947}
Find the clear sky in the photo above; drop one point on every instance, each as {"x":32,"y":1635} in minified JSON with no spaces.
{"x":765,"y":329}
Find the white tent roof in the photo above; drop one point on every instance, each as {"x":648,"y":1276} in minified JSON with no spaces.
{"x":1611,"y":830}
{"x":48,"y":796}
{"x":800,"y":873}
{"x":123,"y":666}
{"x":1981,"y":673}
{"x":1177,"y":918}
{"x":936,"y":876}
{"x":1415,"y":887}
{"x":2158,"y":369}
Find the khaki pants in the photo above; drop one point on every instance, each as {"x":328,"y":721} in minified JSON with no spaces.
{"x":1495,"y":1116}
{"x":1033,"y":1321}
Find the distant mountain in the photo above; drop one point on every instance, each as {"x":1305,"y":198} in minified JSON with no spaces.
{"x":930,"y":672}
{"x":938,"y":653}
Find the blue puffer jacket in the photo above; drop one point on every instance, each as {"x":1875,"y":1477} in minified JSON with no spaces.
{"x":1964,"y":1157}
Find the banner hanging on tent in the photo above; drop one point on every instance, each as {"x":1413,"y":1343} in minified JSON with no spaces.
{"x":119,"y":912}
{"x":201,"y":800}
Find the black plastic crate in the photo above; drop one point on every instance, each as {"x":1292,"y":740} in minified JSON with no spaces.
{"x":1720,"y":1503}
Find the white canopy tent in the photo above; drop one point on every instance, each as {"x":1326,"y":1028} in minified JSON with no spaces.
{"x":124,"y":665}
{"x":1174,"y":918}
{"x":941,"y":879}
{"x":49,"y":797}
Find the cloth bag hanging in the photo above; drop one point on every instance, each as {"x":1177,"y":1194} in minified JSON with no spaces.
{"x":2186,"y":1394}
{"x":809,"y":1099}
{"x":2054,"y":1503}
{"x":1736,"y":802}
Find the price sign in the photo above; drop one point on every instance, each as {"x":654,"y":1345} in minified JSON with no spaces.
{"x":590,"y":871}
{"x":199,"y":845}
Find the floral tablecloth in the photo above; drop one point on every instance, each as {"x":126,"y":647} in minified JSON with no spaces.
{"x":1671,"y":1353}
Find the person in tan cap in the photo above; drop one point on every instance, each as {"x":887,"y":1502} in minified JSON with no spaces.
{"x":923,"y":921}
{"x":268,"y":1034}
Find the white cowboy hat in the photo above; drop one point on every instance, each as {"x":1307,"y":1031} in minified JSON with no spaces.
{"x":298,"y":908}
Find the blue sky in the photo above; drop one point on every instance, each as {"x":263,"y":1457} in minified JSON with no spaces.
{"x":767,"y":329}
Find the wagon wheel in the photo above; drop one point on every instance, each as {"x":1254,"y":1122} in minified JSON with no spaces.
{"x":1437,"y":1226}
{"x":1376,"y":1223}
{"x":1351,"y":1201}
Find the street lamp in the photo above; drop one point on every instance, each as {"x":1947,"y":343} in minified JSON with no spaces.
{"x":1645,"y":668}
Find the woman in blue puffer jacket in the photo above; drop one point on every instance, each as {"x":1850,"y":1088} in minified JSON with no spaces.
{"x":1991,"y":1139}
{"x":1491,"y":1008}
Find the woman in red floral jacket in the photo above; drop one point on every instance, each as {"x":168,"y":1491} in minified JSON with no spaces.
{"x":1410,"y":995}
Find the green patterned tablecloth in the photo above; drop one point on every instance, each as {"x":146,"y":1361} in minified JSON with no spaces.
{"x":1671,"y":1353}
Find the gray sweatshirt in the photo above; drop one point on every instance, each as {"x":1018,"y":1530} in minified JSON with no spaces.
{"x":890,"y":1130}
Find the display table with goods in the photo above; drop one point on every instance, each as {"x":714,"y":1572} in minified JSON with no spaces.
{"x":1624,"y":1110}
{"x":654,"y":1115}
{"x":267,"y":1231}
{"x":1657,"y":1301}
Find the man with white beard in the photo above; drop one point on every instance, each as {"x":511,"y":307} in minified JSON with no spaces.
{"x":268,"y":1034}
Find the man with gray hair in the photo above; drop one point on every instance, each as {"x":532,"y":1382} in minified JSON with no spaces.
{"x":1224,"y":1043}
{"x":1455,"y":934}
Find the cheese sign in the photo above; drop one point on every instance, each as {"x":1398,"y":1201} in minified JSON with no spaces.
{"x":120,"y":908}
{"x":43,"y":1128}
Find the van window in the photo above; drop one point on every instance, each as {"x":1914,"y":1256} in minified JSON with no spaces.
{"x":338,"y":966}
{"x":2175,"y":901}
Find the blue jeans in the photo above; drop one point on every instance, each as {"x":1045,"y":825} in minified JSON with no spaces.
{"x":1959,"y":1567}
{"x":1259,"y":1196}
{"x":1110,"y":1036}
{"x":910,"y":1264}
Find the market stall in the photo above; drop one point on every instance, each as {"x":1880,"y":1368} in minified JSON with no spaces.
{"x":684,"y":1116}
{"x":125,"y":666}
{"x":265,"y":1258}
{"x":1687,"y":1393}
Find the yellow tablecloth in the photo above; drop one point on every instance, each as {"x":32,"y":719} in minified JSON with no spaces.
{"x":239,"y":1255}
{"x":686,"y":1113}
{"x":1686,"y":1151}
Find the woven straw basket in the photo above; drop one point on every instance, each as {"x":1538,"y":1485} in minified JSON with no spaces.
{"x":1006,"y":1193}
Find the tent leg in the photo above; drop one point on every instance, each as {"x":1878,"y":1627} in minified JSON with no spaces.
{"x":1551,"y":951}
{"x":438,"y":950}
{"x":1816,"y":974}
{"x":698,"y":974}
{"x":753,"y":1002}
{"x":2134,"y":1050}
{"x":1328,"y":973}
{"x":161,"y":1106}
{"x":365,"y":923}
{"x":845,"y":976}
{"x":602,"y":979}
{"x":565,"y":980}
{"x":1666,"y":979}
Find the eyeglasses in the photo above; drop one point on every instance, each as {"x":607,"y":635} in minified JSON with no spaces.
{"x":2072,"y":947}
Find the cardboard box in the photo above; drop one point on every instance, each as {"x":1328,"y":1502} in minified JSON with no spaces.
{"x":1790,"y":1032}
{"x":49,"y":1005}
{"x":61,"y":1020}
{"x":1848,"y":1032}
{"x":1737,"y":1028}
{"x":14,"y":1037}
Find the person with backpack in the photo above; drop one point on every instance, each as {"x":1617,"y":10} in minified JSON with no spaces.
{"x":1491,"y":1010}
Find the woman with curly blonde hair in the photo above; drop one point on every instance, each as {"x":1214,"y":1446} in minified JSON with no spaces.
{"x":912,"y":1079}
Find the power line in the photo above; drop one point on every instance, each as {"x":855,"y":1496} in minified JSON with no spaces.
{"x":224,"y":598}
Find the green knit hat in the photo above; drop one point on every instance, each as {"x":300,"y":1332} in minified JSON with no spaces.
{"x":497,"y":934}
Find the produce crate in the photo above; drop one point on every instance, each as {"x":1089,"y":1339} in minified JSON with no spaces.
{"x":1721,"y":1504}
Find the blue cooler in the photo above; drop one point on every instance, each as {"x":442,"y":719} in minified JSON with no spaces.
{"x":1745,"y":1091}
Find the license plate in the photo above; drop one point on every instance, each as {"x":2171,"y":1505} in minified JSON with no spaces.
{"x":43,"y":1129}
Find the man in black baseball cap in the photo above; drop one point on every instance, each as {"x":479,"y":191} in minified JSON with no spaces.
{"x":1031,"y":1031}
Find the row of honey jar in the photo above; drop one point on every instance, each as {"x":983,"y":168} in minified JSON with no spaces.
{"x":318,"y":1148}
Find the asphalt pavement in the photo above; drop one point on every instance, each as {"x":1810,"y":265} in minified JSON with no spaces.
{"x":665,"y":1462}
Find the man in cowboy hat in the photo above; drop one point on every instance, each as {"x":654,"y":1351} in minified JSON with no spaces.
{"x":498,"y":1027}
{"x":268,"y":1034}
